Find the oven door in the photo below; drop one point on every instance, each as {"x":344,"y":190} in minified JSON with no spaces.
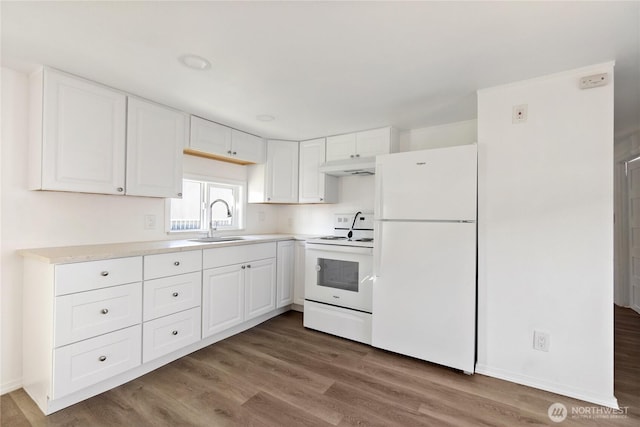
{"x":339,"y":275}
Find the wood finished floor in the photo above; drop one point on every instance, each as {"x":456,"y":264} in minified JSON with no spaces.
{"x":280,"y":374}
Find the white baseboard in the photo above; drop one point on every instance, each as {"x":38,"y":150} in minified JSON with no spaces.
{"x":10,"y":386}
{"x":549,"y":386}
{"x":297,"y":307}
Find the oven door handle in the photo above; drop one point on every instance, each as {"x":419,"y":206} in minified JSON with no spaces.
{"x":340,"y":249}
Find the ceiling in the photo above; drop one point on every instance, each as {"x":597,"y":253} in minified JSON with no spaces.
{"x":324,"y":68}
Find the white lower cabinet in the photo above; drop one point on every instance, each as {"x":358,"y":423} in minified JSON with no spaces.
{"x":88,"y":362}
{"x":166,"y":334}
{"x":260,"y":287}
{"x":240,"y":291}
{"x":102,"y":323}
{"x":87,"y":314}
{"x":298,"y":287}
{"x":222,"y":298}
{"x":171,"y":294}
{"x":286,"y":274}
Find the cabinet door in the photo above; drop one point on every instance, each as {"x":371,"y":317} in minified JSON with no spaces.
{"x":247,"y":147}
{"x":341,"y":147}
{"x":210,"y":137}
{"x":260,"y":283}
{"x":298,"y":287}
{"x":83,"y":139}
{"x":222,"y":299}
{"x":312,"y":182}
{"x":373,"y":142}
{"x":156,"y":136}
{"x":285,"y":273}
{"x":282,"y":172}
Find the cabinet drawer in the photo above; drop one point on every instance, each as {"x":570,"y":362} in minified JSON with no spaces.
{"x":171,"y":294}
{"x":219,"y":257}
{"x":86,"y":276}
{"x":166,"y":334}
{"x":88,"y":362}
{"x":171,"y":264}
{"x":87,"y":314}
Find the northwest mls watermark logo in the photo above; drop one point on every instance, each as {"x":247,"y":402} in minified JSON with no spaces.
{"x":557,"y":412}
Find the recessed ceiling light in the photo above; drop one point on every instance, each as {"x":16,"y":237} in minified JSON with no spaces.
{"x":195,"y":62}
{"x":265,"y":118}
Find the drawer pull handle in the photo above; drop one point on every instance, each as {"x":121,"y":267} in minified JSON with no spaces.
{"x":177,"y":263}
{"x":104,"y":311}
{"x":174,"y":332}
{"x":104,"y":273}
{"x":175,"y":294}
{"x":102,"y":358}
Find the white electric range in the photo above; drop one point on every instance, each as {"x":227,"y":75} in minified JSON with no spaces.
{"x":339,"y":278}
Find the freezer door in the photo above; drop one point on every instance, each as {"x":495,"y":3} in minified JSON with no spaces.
{"x":438,"y":184}
{"x":424,"y":292}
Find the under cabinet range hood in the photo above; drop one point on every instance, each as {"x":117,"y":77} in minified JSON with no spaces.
{"x":355,"y":166}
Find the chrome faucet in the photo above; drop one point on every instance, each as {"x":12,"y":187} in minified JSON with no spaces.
{"x":213,"y":225}
{"x":350,"y":233}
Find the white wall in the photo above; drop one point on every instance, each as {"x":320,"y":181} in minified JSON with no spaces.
{"x":545,"y":219}
{"x":40,"y":218}
{"x":448,"y":135}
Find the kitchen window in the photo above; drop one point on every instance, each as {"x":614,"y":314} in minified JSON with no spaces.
{"x":192,"y":212}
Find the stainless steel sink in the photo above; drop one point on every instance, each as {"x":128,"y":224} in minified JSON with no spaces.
{"x":217,"y":239}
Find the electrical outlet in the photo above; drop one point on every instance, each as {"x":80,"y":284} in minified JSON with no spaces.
{"x":519,"y":114}
{"x":149,"y":222}
{"x":594,"y":81}
{"x":541,"y":340}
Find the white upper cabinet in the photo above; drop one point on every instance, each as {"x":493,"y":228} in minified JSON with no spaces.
{"x":247,"y":147}
{"x":156,"y":136}
{"x":210,"y":137}
{"x":362,"y":144}
{"x":78,"y":135}
{"x":315,"y":187}
{"x":277,"y":180}
{"x":222,"y":142}
{"x":341,"y":147}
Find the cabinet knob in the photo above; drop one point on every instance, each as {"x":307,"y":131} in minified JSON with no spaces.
{"x":174,"y":332}
{"x":120,"y":189}
{"x":234,"y":153}
{"x":357,"y":155}
{"x":243,"y":267}
{"x":104,"y":311}
{"x":177,"y":263}
{"x":268,"y":198}
{"x":248,"y":265}
{"x":179,"y":194}
{"x":352,"y":156}
{"x":229,"y":152}
{"x":102,"y":358}
{"x":321,"y":199}
{"x":175,"y":294}
{"x":104,"y":273}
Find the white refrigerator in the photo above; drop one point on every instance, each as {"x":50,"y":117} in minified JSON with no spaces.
{"x":424,"y":292}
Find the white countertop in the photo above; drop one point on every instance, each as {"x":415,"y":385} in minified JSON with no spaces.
{"x":70,"y":254}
